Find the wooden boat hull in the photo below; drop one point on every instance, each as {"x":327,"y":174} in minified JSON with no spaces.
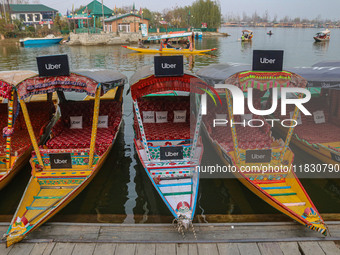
{"x":317,"y":39}
{"x":293,"y":209}
{"x":29,"y":196}
{"x":321,"y":153}
{"x":19,"y":163}
{"x":172,"y":166}
{"x":169,"y":51}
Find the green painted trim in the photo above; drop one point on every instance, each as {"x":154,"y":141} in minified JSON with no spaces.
{"x":178,"y":193}
{"x":283,"y":194}
{"x":48,"y":197}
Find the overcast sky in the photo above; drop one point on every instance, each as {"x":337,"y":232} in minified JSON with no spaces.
{"x":293,"y":8}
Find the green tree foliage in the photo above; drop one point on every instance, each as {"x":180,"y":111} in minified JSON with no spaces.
{"x":178,"y":17}
{"x":206,"y":11}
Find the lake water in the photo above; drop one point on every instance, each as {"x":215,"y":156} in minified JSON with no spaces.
{"x":121,"y":192}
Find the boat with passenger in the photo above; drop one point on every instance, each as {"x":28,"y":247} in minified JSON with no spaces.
{"x":247,"y":35}
{"x":15,"y":144}
{"x":167,"y":136}
{"x":164,"y":49}
{"x":78,"y":145}
{"x":262,"y":162}
{"x":322,"y":36}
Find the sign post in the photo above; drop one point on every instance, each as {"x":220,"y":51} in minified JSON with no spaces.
{"x":56,"y":65}
{"x":169,"y":66}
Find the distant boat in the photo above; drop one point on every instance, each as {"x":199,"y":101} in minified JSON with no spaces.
{"x":198,"y":33}
{"x":322,"y":36}
{"x":247,"y":35}
{"x":269,"y":33}
{"x":48,"y":40}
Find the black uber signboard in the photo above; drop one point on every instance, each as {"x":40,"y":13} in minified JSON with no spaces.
{"x":60,"y":160}
{"x":168,"y":66}
{"x":55,"y":65}
{"x":258,"y":156}
{"x":267,"y":60}
{"x":171,"y":152}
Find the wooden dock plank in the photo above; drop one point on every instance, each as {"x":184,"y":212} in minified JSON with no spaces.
{"x":4,"y":250}
{"x":182,"y":249}
{"x":289,"y":248}
{"x":310,"y":248}
{"x":38,"y":249}
{"x":63,"y":249}
{"x":248,"y":249}
{"x":329,"y":248}
{"x":228,"y":249}
{"x":21,"y":249}
{"x":142,"y":249}
{"x":105,"y":248}
{"x":270,"y":249}
{"x":207,"y":249}
{"x":165,"y":248}
{"x":83,"y":249}
{"x":192,"y":249}
{"x":125,"y":248}
{"x":48,"y":249}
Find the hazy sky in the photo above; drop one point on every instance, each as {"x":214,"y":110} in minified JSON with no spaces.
{"x":293,"y":8}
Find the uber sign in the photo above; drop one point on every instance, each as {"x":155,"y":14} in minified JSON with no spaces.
{"x":267,"y":60}
{"x":56,"y":65}
{"x":258,"y":156}
{"x":168,"y":66}
{"x":60,"y":160}
{"x":175,"y":152}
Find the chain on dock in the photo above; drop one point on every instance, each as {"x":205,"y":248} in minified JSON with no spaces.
{"x":180,"y":227}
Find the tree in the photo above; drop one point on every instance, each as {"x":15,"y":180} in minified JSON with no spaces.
{"x":206,"y":11}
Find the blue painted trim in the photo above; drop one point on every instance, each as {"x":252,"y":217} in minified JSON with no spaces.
{"x":196,"y":194}
{"x":174,"y":184}
{"x":161,"y":194}
{"x":282,"y":187}
{"x":38,"y":208}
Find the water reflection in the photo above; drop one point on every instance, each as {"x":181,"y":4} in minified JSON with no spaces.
{"x":121,"y":191}
{"x":321,"y":47}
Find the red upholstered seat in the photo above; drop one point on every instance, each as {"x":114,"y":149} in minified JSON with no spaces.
{"x":40,"y":115}
{"x":248,"y":137}
{"x":169,"y":130}
{"x":66,"y":138}
{"x":309,"y":130}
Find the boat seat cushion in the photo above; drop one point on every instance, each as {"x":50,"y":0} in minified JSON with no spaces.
{"x":40,"y":115}
{"x":169,"y":130}
{"x":63,"y":137}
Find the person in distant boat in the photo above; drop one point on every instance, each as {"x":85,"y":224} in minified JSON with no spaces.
{"x":140,"y":43}
{"x":169,"y":46}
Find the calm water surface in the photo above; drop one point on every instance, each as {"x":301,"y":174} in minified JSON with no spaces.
{"x":121,"y":191}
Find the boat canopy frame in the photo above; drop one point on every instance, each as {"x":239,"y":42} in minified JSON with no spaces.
{"x":92,"y":82}
{"x":263,"y":81}
{"x":144,"y":82}
{"x":8,"y":83}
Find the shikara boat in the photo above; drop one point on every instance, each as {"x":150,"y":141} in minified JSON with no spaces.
{"x":164,"y":50}
{"x":15,"y":144}
{"x":262,"y":163}
{"x":319,"y":134}
{"x":79,"y":144}
{"x":322,"y":36}
{"x":247,"y":35}
{"x":167,"y":137}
